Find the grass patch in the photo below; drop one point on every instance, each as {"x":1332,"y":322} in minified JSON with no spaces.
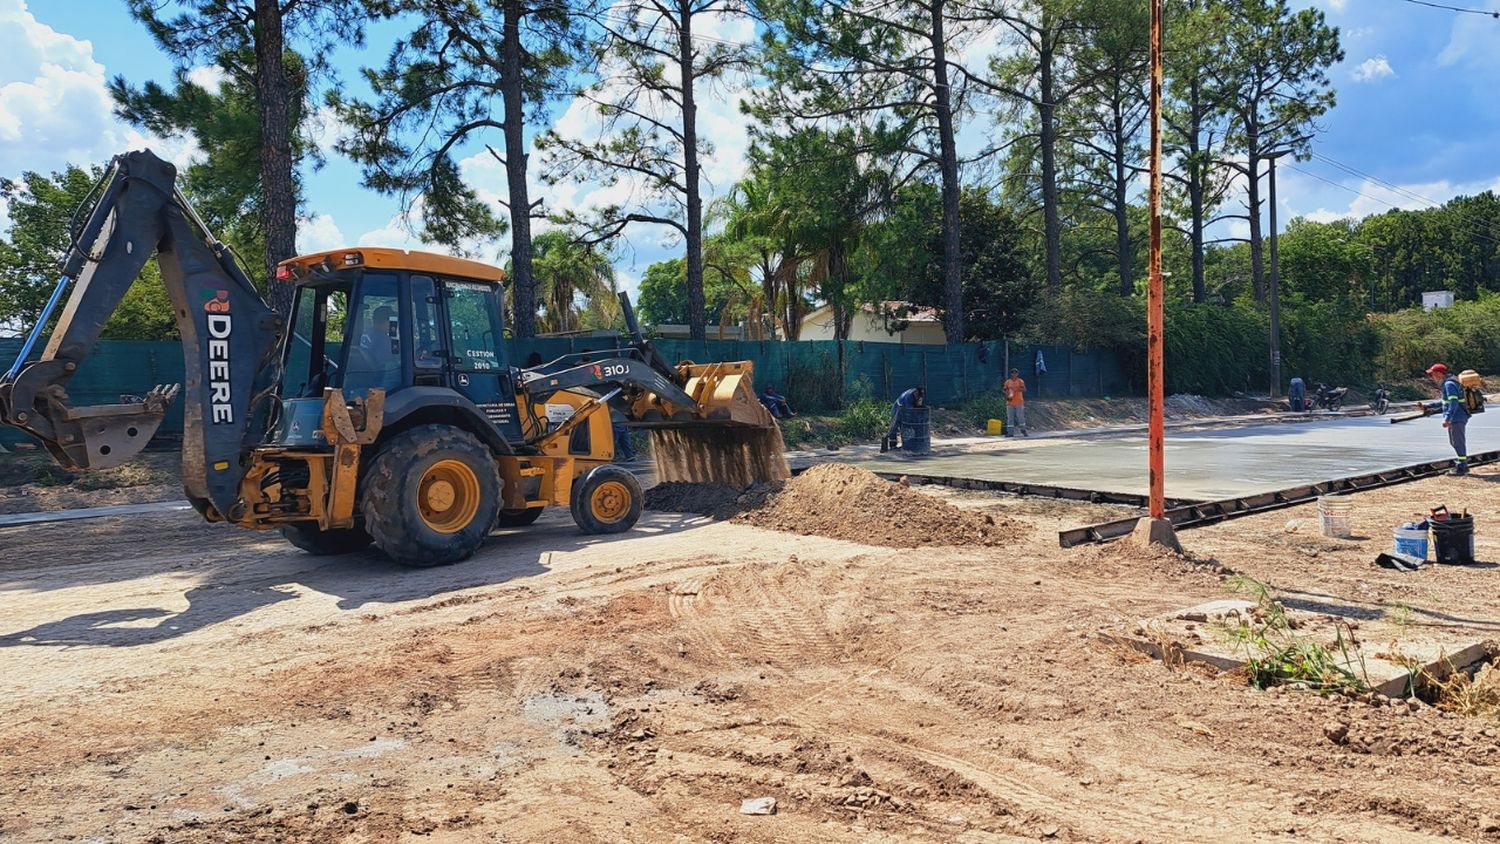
{"x":1276,"y":654}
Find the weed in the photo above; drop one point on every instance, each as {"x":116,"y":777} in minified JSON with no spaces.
{"x":1276,"y":654}
{"x":981,"y":409}
{"x":1400,"y":615}
{"x":865,"y":419}
{"x":1478,"y":695}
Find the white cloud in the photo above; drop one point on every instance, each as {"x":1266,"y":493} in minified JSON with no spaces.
{"x":1373,"y":68}
{"x":318,"y":233}
{"x":1377,"y":199}
{"x":403,"y":231}
{"x":1471,"y":42}
{"x":55,"y":108}
{"x":209,"y":77}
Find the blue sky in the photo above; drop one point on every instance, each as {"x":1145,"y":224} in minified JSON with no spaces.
{"x":1417,"y":109}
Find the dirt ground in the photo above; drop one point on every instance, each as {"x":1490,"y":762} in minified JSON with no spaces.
{"x":31,"y":482}
{"x":165,"y":680}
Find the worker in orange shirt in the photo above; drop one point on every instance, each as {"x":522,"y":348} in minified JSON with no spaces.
{"x":1015,"y":404}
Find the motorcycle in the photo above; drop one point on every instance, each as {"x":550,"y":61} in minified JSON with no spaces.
{"x":1328,"y":398}
{"x":1382,"y":400}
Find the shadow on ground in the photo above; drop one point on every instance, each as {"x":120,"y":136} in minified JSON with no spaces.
{"x":228,"y":589}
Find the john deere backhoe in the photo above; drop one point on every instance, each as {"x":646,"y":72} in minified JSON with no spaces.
{"x":386,"y":410}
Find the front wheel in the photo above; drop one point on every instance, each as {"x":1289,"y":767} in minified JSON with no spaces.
{"x":518,"y":518}
{"x":431,"y":495}
{"x":321,"y":543}
{"x":606,"y":500}
{"x":1336,"y":405}
{"x":1381,"y":406}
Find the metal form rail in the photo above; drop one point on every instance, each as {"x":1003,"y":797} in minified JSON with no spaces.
{"x":1197,"y":514}
{"x":1030,"y":490}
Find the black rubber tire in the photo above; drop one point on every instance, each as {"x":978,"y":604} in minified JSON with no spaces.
{"x":389,"y":491}
{"x":1336,"y":405}
{"x":583,"y":491}
{"x":1382,"y":406}
{"x":518,"y":518}
{"x":321,"y":543}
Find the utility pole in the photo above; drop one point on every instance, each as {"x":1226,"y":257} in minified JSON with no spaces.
{"x":1275,"y":292}
{"x":1157,"y":529}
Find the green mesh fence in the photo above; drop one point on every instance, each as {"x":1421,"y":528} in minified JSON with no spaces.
{"x":816,"y":375}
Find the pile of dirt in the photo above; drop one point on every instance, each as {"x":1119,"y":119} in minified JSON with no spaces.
{"x":846,"y":502}
{"x":717,"y":500}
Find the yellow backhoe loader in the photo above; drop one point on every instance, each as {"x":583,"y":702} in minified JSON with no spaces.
{"x":385,"y":411}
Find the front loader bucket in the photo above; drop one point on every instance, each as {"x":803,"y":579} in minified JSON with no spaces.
{"x":732,"y":438}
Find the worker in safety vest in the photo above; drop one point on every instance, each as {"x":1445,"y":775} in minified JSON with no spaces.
{"x":1455,"y":414}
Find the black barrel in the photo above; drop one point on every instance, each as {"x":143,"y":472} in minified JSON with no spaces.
{"x":915,"y":434}
{"x":1453,"y":538}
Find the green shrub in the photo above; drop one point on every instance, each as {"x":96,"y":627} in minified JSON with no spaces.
{"x":865,"y":419}
{"x":981,"y":409}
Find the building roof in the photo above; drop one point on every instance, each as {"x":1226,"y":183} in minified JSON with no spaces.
{"x":396,"y":259}
{"x":914,"y":313}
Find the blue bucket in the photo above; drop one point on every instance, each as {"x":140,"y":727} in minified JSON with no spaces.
{"x":1411,"y":540}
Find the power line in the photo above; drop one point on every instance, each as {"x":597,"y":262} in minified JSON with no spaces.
{"x":1475,"y":233}
{"x":1474,"y":226}
{"x":1445,"y":7}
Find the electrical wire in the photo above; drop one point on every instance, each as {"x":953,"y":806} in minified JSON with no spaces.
{"x":1472,"y":226}
{"x":1445,"y":7}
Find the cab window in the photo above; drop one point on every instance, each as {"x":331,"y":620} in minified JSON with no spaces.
{"x":427,"y":342}
{"x":472,"y":325}
{"x":373,"y":336}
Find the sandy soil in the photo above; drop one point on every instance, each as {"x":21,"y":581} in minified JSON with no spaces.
{"x":166,"y":680}
{"x":31,"y":483}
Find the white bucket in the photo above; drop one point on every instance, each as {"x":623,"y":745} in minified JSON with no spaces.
{"x":1335,"y":515}
{"x":1411,"y":542}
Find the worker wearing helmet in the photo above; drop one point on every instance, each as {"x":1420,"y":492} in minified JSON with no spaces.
{"x":1455,"y":414}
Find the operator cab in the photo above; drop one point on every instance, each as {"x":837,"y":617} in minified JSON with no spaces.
{"x":403,"y":322}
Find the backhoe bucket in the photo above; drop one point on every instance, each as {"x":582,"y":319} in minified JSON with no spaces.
{"x":732,"y":438}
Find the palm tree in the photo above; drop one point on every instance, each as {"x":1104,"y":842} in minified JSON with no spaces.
{"x":567,"y":271}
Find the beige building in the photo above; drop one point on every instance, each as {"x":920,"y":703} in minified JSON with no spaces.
{"x":921,"y":326}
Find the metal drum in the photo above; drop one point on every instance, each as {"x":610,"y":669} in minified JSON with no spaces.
{"x":915,"y":434}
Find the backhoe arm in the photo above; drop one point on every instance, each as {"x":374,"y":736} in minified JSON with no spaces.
{"x":229,"y":339}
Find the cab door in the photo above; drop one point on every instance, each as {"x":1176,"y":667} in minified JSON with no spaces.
{"x":477,"y":366}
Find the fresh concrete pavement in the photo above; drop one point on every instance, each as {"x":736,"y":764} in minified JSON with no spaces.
{"x":1204,"y":464}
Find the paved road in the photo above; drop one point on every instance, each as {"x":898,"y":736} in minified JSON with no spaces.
{"x":1218,"y":463}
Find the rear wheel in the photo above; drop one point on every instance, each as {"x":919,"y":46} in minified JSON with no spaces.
{"x":520,"y":517}
{"x":606,"y":500}
{"x":310,"y":538}
{"x":431,"y":496}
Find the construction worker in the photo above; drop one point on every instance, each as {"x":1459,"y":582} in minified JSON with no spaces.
{"x":1015,"y":404}
{"x":915,"y":397}
{"x":1455,"y":414}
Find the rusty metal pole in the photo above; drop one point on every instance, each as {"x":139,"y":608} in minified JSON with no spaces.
{"x":1155,"y":387}
{"x":1156,"y":529}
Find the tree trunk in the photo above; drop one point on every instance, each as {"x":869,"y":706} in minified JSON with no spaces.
{"x":1123,"y":257}
{"x":278,"y":187}
{"x":768,"y":289}
{"x":953,"y":289}
{"x":697,"y":312}
{"x":1197,"y":175}
{"x":1047,"y":111}
{"x":523,"y":282}
{"x":1252,"y":203}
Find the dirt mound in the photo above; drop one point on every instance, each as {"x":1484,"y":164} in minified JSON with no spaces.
{"x":846,"y":502}
{"x":717,"y":500}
